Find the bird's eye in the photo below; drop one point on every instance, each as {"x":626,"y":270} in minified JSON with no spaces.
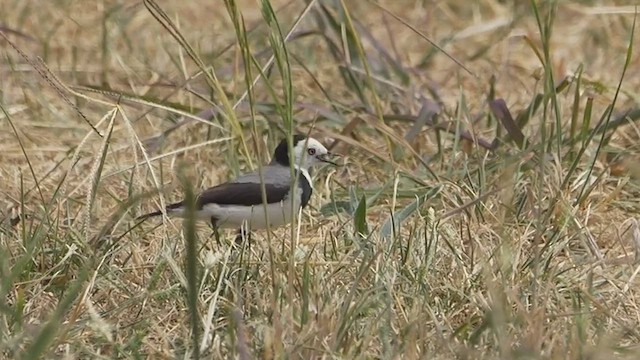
{"x":311,"y":151}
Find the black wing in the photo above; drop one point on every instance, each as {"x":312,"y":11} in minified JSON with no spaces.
{"x":247,"y":194}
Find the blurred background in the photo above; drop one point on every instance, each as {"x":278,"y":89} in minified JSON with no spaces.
{"x":486,"y":208}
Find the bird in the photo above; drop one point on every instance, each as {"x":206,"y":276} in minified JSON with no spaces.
{"x":238,"y":203}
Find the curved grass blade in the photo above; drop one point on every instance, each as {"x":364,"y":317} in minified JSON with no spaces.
{"x":43,"y":341}
{"x":394,"y":222}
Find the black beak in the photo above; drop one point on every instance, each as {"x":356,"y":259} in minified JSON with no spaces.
{"x":324,"y":158}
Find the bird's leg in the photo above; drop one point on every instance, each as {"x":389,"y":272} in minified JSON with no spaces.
{"x":216,"y":232}
{"x":242,"y":234}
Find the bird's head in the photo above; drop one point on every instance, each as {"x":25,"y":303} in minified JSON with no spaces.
{"x":307,"y":152}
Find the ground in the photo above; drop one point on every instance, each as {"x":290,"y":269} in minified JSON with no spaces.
{"x":486,"y":205}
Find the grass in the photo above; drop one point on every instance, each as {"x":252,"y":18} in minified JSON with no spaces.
{"x":487,"y":206}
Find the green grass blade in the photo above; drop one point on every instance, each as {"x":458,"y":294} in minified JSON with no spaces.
{"x":604,"y":123}
{"x":360,"y":218}
{"x":191,"y":265}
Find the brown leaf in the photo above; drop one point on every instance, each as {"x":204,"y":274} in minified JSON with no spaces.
{"x":502,"y":113}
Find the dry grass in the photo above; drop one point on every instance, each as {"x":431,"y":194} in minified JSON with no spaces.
{"x":495,"y":252}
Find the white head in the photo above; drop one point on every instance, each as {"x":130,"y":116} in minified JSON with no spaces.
{"x":307,"y":152}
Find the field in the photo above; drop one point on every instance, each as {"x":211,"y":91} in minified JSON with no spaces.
{"x":485,"y":206}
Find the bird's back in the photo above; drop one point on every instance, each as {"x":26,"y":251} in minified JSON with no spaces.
{"x":272,"y":174}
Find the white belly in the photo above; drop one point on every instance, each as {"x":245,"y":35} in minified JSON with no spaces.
{"x":235,"y":216}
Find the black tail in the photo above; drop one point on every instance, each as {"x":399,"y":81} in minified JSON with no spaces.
{"x":151,"y":214}
{"x":158,"y":212}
